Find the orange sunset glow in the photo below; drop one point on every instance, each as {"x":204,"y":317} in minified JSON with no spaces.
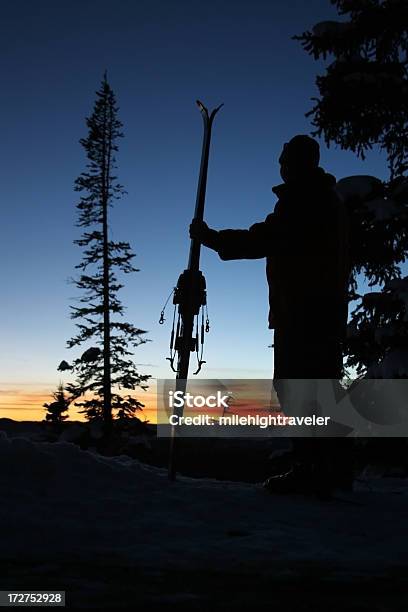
{"x":25,"y":403}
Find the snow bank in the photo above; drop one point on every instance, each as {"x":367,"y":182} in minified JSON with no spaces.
{"x":359,"y":186}
{"x":69,"y":509}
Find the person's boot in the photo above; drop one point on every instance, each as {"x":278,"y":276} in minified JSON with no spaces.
{"x":301,"y":473}
{"x":300,"y":479}
{"x":280,"y":461}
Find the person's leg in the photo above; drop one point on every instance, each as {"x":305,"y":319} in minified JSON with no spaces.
{"x":322,"y":463}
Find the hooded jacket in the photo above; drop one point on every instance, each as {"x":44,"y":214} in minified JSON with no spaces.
{"x":305,"y":242}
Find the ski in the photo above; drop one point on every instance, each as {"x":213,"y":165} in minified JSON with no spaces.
{"x":190,"y":296}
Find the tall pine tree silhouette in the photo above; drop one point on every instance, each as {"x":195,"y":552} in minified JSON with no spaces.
{"x":105,"y":369}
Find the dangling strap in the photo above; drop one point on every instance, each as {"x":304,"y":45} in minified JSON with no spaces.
{"x":162,"y":319}
{"x":174,"y":335}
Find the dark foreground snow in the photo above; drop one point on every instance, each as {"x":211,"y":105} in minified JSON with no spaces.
{"x":114,"y":531}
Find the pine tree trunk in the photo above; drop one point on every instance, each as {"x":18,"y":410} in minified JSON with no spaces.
{"x":107,"y":392}
{"x":107,"y":400}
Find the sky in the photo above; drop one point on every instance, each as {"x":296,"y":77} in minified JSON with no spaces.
{"x":160,"y":57}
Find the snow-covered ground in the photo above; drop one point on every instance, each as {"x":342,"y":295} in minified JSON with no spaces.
{"x":114,"y":531}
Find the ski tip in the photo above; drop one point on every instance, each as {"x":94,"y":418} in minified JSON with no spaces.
{"x":201,"y":106}
{"x":204,"y":111}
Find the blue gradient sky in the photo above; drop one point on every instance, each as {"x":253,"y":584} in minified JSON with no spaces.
{"x":160,"y":57}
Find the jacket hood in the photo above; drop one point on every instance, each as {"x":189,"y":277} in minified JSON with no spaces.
{"x":315,"y":182}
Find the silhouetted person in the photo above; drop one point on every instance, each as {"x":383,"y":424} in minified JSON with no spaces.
{"x":305,"y":242}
